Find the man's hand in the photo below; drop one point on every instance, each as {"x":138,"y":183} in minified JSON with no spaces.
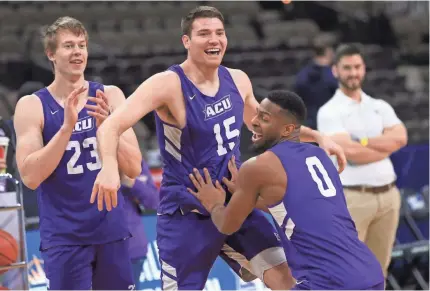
{"x":100,"y":111}
{"x":70,"y":108}
{"x":231,"y":184}
{"x":106,"y":187}
{"x":332,"y":148}
{"x":209,"y":195}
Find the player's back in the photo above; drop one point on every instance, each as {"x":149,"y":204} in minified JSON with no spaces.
{"x":209,"y":139}
{"x":320,"y":237}
{"x":66,"y":215}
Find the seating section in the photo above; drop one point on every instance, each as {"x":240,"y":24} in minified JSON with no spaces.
{"x":139,"y":39}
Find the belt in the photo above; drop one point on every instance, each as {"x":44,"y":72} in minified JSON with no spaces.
{"x":371,"y":189}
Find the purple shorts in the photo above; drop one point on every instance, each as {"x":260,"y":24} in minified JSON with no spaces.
{"x":97,"y":267}
{"x":189,"y":245}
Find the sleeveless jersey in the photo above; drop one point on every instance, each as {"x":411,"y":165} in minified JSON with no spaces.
{"x":320,"y":239}
{"x":66,"y":215}
{"x":209,"y":139}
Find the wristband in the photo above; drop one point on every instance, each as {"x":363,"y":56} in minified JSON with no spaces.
{"x":364,"y":141}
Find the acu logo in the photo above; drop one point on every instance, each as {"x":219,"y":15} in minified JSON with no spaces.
{"x":218,"y":108}
{"x":83,"y":125}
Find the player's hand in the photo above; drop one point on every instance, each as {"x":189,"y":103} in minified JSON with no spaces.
{"x":100,"y":111}
{"x":208,"y":194}
{"x":231,"y":184}
{"x":332,"y":148}
{"x":106,"y":188}
{"x":71,"y":108}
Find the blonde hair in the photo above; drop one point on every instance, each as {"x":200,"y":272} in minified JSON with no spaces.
{"x":62,"y":23}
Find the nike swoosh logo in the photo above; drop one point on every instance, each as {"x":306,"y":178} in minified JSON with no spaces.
{"x":53,"y":112}
{"x":192,"y":97}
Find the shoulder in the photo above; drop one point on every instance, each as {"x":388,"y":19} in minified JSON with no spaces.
{"x":380,"y":103}
{"x":330,"y":108}
{"x":242,"y":82}
{"x":29,"y":110}
{"x":238,"y":76}
{"x":29,"y":101}
{"x":262,"y":166}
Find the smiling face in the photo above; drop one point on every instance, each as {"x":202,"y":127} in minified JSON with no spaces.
{"x":71,"y":54}
{"x":350,"y":71}
{"x":270,"y":125}
{"x":204,"y":36}
{"x":66,"y":46}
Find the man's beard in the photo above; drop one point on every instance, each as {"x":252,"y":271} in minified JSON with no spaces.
{"x":344,"y":83}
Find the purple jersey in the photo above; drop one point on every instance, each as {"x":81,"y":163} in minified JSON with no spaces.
{"x":66,"y":215}
{"x":209,"y":139}
{"x":320,"y":239}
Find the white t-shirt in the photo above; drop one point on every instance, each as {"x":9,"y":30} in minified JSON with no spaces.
{"x":368,"y":118}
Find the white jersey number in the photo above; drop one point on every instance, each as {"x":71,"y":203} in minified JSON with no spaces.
{"x":312,"y":163}
{"x":72,"y":168}
{"x":230,"y":134}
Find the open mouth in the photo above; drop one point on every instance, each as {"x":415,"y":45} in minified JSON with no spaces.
{"x":76,"y":62}
{"x":213,"y":52}
{"x":256,"y":136}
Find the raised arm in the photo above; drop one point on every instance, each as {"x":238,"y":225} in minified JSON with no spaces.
{"x":152,"y":94}
{"x":35,"y":161}
{"x":129,"y":155}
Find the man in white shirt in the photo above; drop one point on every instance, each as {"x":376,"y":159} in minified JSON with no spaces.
{"x":369,"y":131}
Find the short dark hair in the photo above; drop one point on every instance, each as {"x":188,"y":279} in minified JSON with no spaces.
{"x":346,"y":50}
{"x":199,"y":12}
{"x":290,"y":102}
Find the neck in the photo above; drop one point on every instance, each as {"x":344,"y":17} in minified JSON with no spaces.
{"x":354,"y":94}
{"x":293,"y":137}
{"x":200,"y":74}
{"x":61,"y":87}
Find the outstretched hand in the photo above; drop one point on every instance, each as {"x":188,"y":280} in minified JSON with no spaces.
{"x":231,"y":184}
{"x":208,"y":194}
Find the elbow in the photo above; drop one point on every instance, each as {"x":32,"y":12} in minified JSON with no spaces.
{"x":403,"y":141}
{"x":133,"y":170}
{"x":30,"y":183}
{"x":227,"y":229}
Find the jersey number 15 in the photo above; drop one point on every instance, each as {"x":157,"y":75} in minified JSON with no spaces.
{"x":230,"y":134}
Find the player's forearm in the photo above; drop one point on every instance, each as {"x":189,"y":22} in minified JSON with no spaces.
{"x":129,"y":158}
{"x":308,"y":134}
{"x":38,"y":166}
{"x":220,"y":221}
{"x":108,"y":137}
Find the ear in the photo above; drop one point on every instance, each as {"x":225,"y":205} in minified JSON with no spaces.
{"x":50,"y":55}
{"x":334,"y":71}
{"x":288,"y":129}
{"x":186,"y":41}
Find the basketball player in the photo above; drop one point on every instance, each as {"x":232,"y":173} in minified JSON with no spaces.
{"x":57,"y":153}
{"x":200,"y":108}
{"x":302,"y":190}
